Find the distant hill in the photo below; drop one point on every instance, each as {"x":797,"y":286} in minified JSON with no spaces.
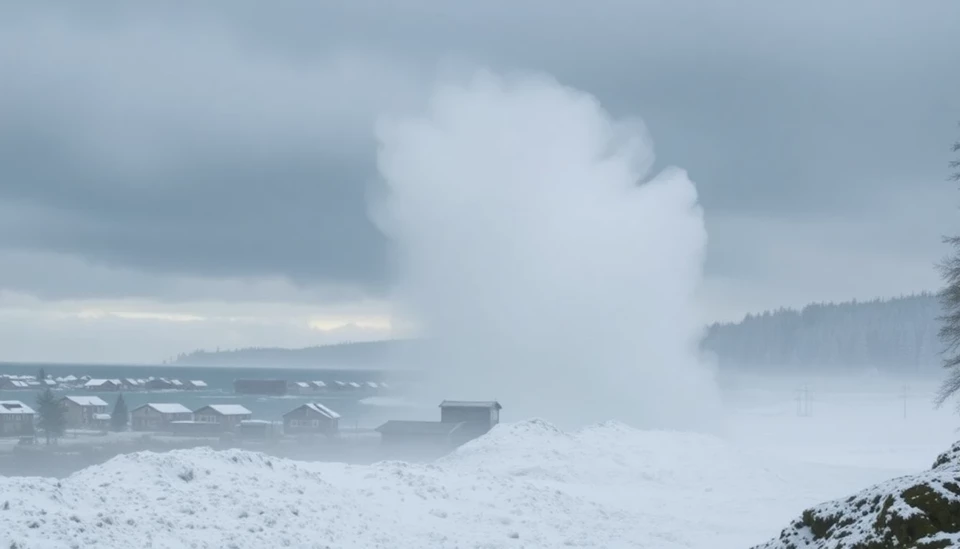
{"x":887,"y":335}
{"x":368,"y":354}
{"x":892,"y":335}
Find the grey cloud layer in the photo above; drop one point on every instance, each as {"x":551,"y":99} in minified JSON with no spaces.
{"x":234,"y":139}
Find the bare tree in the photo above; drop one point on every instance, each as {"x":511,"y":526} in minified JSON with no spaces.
{"x":950,"y":302}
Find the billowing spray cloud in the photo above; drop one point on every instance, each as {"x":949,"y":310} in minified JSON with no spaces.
{"x":547,"y":270}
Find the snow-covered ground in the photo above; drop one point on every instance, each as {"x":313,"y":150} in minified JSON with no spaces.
{"x":526,"y":484}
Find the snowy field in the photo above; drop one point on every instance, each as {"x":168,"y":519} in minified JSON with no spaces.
{"x":526,"y":484}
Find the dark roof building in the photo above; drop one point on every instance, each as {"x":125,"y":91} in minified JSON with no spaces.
{"x":460,"y":421}
{"x":398,"y":432}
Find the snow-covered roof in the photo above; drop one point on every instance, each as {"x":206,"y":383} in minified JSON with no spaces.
{"x":229,"y":409}
{"x":319,"y":384}
{"x":86,"y":400}
{"x":168,"y":407}
{"x":341,"y":383}
{"x":70,"y":377}
{"x":20,"y":384}
{"x":101,"y":417}
{"x":322,"y":410}
{"x":14,"y":407}
{"x":372,"y":385}
{"x":50,"y":383}
{"x":198,"y":383}
{"x":303,"y":384}
{"x":176,"y":382}
{"x":99,"y":382}
{"x":354,"y":384}
{"x":254,"y":422}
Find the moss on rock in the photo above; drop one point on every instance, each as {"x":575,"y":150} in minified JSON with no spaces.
{"x":916,"y":512}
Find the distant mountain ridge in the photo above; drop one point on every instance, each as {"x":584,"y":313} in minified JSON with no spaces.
{"x":893,"y":335}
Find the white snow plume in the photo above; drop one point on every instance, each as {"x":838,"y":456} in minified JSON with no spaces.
{"x":548,"y":270}
{"x":525,"y":485}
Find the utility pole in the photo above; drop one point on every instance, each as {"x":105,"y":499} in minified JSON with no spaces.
{"x":803,"y":402}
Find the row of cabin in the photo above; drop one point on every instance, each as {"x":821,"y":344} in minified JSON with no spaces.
{"x":149,"y":384}
{"x":309,"y":418}
{"x":314,"y":387}
{"x":25,"y":383}
{"x":90,"y":412}
{"x":278,"y":387}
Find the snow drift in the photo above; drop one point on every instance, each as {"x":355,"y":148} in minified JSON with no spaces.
{"x":526,"y":484}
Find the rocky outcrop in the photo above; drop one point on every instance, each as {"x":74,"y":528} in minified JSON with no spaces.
{"x":914,"y":512}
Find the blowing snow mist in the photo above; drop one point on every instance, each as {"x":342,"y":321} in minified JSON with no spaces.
{"x":544,"y":266}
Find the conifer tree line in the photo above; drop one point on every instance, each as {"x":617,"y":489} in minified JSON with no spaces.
{"x":887,"y":335}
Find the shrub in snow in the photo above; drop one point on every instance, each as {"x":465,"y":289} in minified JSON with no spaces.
{"x":914,"y":512}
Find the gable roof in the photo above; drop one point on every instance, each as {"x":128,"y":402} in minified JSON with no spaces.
{"x":85,"y":400}
{"x":318,"y":408}
{"x":14,"y":407}
{"x":166,"y":407}
{"x":471,"y":404}
{"x":421,"y":428}
{"x":99,"y":382}
{"x":227,"y":409}
{"x":198,"y":383}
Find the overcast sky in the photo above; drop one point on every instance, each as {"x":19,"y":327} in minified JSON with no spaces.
{"x":188,"y":175}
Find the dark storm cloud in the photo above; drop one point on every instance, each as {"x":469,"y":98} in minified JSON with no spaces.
{"x":233,"y":139}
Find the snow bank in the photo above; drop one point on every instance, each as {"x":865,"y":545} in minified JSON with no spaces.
{"x":919,"y":511}
{"x":526,"y":484}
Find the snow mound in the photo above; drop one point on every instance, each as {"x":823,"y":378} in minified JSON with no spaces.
{"x":919,"y":511}
{"x":526,"y":484}
{"x":606,"y":453}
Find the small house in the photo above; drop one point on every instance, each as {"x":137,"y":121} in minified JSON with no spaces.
{"x":300,"y":388}
{"x":130,"y":384}
{"x":158,"y":416}
{"x":486,"y":412}
{"x":103,"y":385}
{"x":226,"y":416}
{"x":311,"y":418}
{"x":197,"y":385}
{"x":80,"y":410}
{"x":158,"y":384}
{"x":319,"y":385}
{"x":16,"y":418}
